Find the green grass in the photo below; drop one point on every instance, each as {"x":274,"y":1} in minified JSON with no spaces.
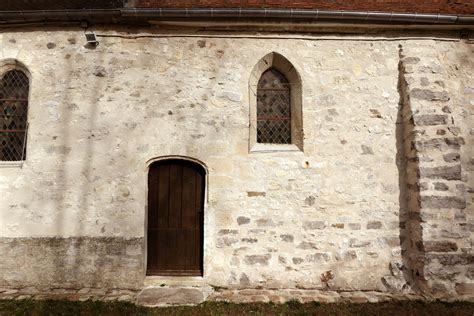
{"x":405,"y":308}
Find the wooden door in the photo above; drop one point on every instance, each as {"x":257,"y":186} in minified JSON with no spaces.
{"x":175,"y":218}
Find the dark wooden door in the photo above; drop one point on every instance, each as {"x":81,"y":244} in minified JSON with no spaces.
{"x":175,"y":218}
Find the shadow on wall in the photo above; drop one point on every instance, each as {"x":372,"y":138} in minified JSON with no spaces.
{"x":408,"y":170}
{"x":71,"y":265}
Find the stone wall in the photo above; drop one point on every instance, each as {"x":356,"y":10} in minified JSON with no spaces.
{"x":438,"y":144}
{"x":75,"y":262}
{"x":329,"y":217}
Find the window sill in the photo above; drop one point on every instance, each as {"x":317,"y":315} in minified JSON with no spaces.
{"x":269,"y":148}
{"x":11,"y":164}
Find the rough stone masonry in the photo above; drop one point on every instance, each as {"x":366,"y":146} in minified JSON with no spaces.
{"x":379,"y":199}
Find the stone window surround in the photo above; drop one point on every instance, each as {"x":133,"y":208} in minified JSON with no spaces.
{"x":5,"y":66}
{"x":280,"y":63}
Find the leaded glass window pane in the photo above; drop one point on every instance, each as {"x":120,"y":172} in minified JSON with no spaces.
{"x":14,"y":88}
{"x":273,"y":108}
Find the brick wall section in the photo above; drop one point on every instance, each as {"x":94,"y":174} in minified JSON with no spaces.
{"x":440,"y":247}
{"x":428,"y":6}
{"x":18,"y":5}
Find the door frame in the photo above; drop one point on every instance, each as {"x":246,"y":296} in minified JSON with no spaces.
{"x":205,"y":208}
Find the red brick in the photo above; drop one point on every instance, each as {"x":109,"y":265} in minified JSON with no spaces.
{"x":424,"y":6}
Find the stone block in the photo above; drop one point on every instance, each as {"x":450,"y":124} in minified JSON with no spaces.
{"x":314,"y":225}
{"x":411,"y":61}
{"x":451,"y":157}
{"x":355,"y":226}
{"x":223,"y":232}
{"x":366,"y":150}
{"x":257,"y":259}
{"x":256,"y":194}
{"x":442,"y":202}
{"x":318,"y":257}
{"x":440,"y":246}
{"x":307,"y":245}
{"x":430,"y":119}
{"x":346,"y":255}
{"x":374,"y":225}
{"x":242,"y":220}
{"x":170,"y":296}
{"x":429,"y":95}
{"x":355,"y":243}
{"x":465,"y":288}
{"x":439,"y":186}
{"x":452,"y":259}
{"x":444,"y":172}
{"x":287,"y":238}
{"x":265,"y":222}
{"x":439,"y":143}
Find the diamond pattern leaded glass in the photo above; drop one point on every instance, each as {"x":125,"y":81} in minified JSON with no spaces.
{"x":14,"y":88}
{"x":273,"y":108}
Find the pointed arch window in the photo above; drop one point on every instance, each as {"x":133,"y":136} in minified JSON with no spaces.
{"x":276,"y":112}
{"x":14,"y":90}
{"x":273,"y":108}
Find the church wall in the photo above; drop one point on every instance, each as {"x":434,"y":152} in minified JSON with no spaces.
{"x":328,"y":217}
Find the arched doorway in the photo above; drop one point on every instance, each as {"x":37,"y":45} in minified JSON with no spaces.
{"x":175,"y":218}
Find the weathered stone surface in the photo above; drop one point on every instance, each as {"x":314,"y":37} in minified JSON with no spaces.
{"x":257,"y":259}
{"x":439,"y":186}
{"x":359,"y":243}
{"x":287,"y":238}
{"x":429,"y":95}
{"x":346,"y":255}
{"x":307,"y":245}
{"x":250,"y":240}
{"x":311,"y":225}
{"x":100,"y":71}
{"x":93,"y":130}
{"x":323,"y":296}
{"x":254,"y":194}
{"x":354,"y":226}
{"x":424,"y":81}
{"x":297,"y":260}
{"x":451,"y":157}
{"x":310,"y":200}
{"x":452,"y":259}
{"x":430,"y":119}
{"x":465,"y":288}
{"x":445,"y":172}
{"x":242,"y":220}
{"x":440,"y":143}
{"x":226,"y":242}
{"x":265,"y":222}
{"x":223,"y":232}
{"x":317,"y":257}
{"x":60,"y":259}
{"x":411,"y":60}
{"x":440,"y":246}
{"x":441,"y":202}
{"x":155,"y":296}
{"x":366,"y":150}
{"x":374,"y":225}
